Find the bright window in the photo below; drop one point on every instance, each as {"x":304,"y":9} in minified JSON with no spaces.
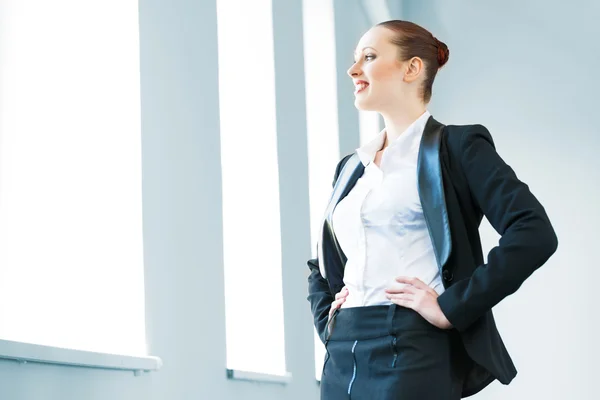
{"x":71,"y":257}
{"x":252,"y":235}
{"x":321,"y":114}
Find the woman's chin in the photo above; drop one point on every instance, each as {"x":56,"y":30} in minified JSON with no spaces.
{"x":363,"y":105}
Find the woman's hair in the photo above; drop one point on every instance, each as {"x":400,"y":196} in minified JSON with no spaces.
{"x":416,"y":41}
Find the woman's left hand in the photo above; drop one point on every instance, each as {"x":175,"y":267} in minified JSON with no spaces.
{"x":421,"y":298}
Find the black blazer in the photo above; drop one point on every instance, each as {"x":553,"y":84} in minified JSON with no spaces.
{"x":461,"y":178}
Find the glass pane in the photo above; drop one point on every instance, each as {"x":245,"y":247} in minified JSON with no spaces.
{"x":71,"y":258}
{"x":322,"y":118}
{"x":252,"y":236}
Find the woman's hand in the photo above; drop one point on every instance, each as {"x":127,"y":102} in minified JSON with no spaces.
{"x":421,"y":298}
{"x":340,"y":298}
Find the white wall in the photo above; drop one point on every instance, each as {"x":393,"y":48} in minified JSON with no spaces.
{"x":528,"y":72}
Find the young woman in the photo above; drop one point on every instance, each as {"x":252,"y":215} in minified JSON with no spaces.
{"x":399,"y":291}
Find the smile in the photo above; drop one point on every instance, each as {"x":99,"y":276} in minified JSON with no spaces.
{"x":360,"y":87}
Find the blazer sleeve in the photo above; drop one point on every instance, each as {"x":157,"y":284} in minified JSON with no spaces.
{"x":527,"y":237}
{"x":319,"y":294}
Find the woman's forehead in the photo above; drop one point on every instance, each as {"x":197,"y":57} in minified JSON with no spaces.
{"x":377,"y":38}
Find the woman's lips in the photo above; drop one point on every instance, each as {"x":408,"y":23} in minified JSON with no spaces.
{"x":360,"y":87}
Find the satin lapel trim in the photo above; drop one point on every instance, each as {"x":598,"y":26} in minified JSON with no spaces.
{"x":352,"y":170}
{"x":431,"y":191}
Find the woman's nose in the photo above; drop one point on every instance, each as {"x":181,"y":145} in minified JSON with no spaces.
{"x":353,"y":71}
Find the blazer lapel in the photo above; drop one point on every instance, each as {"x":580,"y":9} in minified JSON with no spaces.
{"x":431,"y":191}
{"x":352,"y":170}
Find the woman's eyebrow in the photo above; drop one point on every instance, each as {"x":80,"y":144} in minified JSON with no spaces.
{"x":363,"y":49}
{"x":367,"y":47}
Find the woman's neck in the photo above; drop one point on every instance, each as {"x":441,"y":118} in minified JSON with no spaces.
{"x":396,"y":124}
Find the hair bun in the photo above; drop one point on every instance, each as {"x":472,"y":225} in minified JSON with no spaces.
{"x":443,"y":53}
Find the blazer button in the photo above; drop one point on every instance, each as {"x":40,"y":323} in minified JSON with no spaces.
{"x":447,"y":275}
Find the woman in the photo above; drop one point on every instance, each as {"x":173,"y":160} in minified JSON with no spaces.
{"x":399,"y":292}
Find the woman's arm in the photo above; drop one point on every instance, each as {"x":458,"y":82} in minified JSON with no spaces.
{"x":527,"y":241}
{"x":319,"y":295}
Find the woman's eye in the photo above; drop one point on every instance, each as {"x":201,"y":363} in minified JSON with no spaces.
{"x":368,"y":57}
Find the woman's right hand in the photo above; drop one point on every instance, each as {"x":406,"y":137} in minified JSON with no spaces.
{"x":340,"y":298}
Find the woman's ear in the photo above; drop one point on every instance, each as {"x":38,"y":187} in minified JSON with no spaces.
{"x":413,"y":68}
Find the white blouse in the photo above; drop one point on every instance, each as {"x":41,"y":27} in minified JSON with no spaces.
{"x":380,"y":224}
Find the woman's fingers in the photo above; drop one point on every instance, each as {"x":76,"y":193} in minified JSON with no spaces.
{"x":404,"y":289}
{"x":417,"y":283}
{"x":337,"y":303}
{"x":402,"y":297}
{"x":334,"y":306}
{"x":342,"y":293}
{"x":340,"y":298}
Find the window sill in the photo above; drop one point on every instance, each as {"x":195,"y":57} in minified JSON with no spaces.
{"x":259,"y":377}
{"x":26,"y":352}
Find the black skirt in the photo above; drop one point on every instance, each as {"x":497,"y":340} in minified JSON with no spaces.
{"x":390,"y":352}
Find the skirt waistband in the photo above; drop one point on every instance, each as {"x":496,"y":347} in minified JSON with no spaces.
{"x":361,"y":323}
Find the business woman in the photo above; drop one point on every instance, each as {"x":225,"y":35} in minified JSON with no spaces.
{"x":399,"y":291}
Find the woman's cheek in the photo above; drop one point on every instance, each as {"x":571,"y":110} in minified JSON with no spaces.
{"x":382,"y":74}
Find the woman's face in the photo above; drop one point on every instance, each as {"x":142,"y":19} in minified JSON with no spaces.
{"x":377,"y":73}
